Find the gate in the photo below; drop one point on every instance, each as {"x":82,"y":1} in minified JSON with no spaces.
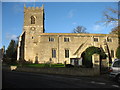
{"x":76,"y":61}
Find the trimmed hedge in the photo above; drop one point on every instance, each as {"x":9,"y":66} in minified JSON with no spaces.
{"x":44,"y":65}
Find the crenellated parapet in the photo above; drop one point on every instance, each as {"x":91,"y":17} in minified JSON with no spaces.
{"x":35,"y":9}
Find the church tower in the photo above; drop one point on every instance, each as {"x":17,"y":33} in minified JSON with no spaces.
{"x":34,"y":19}
{"x":33,"y":27}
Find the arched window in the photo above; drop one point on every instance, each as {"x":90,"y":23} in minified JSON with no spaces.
{"x":32,"y":20}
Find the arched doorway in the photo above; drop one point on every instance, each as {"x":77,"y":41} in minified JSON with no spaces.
{"x":87,"y":56}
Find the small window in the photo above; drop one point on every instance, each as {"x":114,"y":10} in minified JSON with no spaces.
{"x":53,"y":53}
{"x":51,"y":39}
{"x":66,"y":53}
{"x":32,"y":20}
{"x":95,"y":39}
{"x":109,"y":40}
{"x":66,"y":39}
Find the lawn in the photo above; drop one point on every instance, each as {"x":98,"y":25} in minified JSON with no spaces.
{"x":45,"y":65}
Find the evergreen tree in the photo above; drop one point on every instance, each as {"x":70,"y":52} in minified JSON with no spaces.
{"x":11,"y":53}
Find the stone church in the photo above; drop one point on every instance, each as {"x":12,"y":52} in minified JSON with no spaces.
{"x":36,"y":45}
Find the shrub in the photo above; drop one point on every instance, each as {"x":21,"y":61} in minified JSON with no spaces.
{"x":23,"y":62}
{"x":118,"y":52}
{"x":69,"y":65}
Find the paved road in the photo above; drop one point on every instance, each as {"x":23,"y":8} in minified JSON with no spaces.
{"x":12,"y":79}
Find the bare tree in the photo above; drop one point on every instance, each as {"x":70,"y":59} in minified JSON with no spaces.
{"x":113,"y":16}
{"x":79,"y":29}
{"x":114,"y":30}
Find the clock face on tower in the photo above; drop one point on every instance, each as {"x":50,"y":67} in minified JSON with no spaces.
{"x":32,"y":30}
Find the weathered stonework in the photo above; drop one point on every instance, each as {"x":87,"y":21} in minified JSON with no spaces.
{"x":33,"y":42}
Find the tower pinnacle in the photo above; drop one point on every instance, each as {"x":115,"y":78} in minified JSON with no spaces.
{"x":24,"y":5}
{"x":43,"y":6}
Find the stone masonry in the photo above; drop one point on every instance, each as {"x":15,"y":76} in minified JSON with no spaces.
{"x":35,"y":44}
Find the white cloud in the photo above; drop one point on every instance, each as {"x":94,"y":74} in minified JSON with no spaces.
{"x":11,"y":36}
{"x":71,"y":13}
{"x":74,"y":23}
{"x":98,"y":28}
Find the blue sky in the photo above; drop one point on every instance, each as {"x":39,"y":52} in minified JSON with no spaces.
{"x":60,"y":17}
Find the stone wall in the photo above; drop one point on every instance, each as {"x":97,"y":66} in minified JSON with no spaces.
{"x":63,"y":71}
{"x":76,"y":45}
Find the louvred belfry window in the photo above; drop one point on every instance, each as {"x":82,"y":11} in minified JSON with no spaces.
{"x":32,"y":20}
